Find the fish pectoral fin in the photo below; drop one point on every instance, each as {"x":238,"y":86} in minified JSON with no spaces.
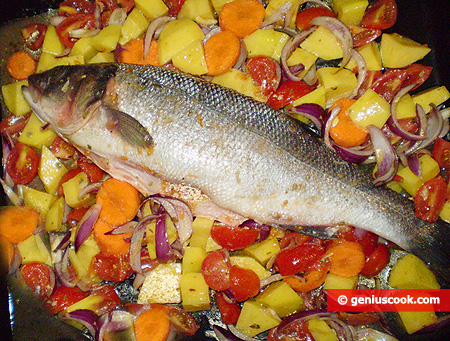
{"x":128,"y":128}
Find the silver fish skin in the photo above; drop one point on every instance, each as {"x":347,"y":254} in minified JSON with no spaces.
{"x":143,"y":123}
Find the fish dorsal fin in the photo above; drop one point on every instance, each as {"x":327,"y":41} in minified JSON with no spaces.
{"x":128,"y":128}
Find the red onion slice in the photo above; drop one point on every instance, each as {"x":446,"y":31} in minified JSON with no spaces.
{"x":340,"y":31}
{"x":66,"y":277}
{"x":386,"y":158}
{"x":136,"y":243}
{"x":264,"y":230}
{"x":118,"y":17}
{"x":313,"y":112}
{"x":362,"y":71}
{"x":65,"y":241}
{"x":117,"y":321}
{"x":243,"y":54}
{"x":279,"y":14}
{"x":86,"y":317}
{"x":86,"y":225}
{"x":154,"y":25}
{"x":435,"y":123}
{"x":162,"y":246}
{"x":84,"y":32}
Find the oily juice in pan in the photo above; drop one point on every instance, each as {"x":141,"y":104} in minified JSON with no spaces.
{"x":153,"y":201}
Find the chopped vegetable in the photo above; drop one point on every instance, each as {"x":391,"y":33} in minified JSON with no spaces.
{"x":17,"y":223}
{"x":347,"y":259}
{"x":221,"y":52}
{"x":231,"y":17}
{"x":21,"y":65}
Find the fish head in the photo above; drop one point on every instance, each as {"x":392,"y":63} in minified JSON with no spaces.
{"x":65,"y":96}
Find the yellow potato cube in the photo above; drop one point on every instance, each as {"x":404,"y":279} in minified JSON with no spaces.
{"x":191,"y":59}
{"x":250,"y":263}
{"x":152,"y":9}
{"x":52,"y":44}
{"x":194,"y":292}
{"x":39,"y":200}
{"x":192,"y":259}
{"x":398,"y":51}
{"x":406,"y":108}
{"x":267,"y":42}
{"x":106,"y":40}
{"x":338,"y":83}
{"x":83,"y":47}
{"x":54,"y":216}
{"x":13,"y":98}
{"x":275,"y":5}
{"x":282,"y":298}
{"x":198,"y":10}
{"x":304,"y":57}
{"x":175,"y":37}
{"x":350,"y":11}
{"x":255,"y":319}
{"x":218,"y":4}
{"x":321,"y":331}
{"x":434,"y":96}
{"x":33,"y":249}
{"x":50,"y":170}
{"x":445,"y":213}
{"x":316,"y":96}
{"x":411,"y":182}
{"x":371,"y":55}
{"x":410,"y":272}
{"x":201,"y":230}
{"x":323,"y":44}
{"x":232,"y":79}
{"x":212,"y":245}
{"x":134,"y":26}
{"x":72,"y":189}
{"x":416,"y":320}
{"x":333,"y":281}
{"x":370,"y":109}
{"x":263,"y":251}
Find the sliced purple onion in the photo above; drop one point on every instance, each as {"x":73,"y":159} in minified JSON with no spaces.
{"x":328,"y":124}
{"x":264,"y":230}
{"x":414,"y":164}
{"x":289,"y":48}
{"x":91,"y":188}
{"x":340,"y":31}
{"x":65,"y":241}
{"x":281,"y":13}
{"x":312,"y":111}
{"x":56,"y":20}
{"x":269,"y":280}
{"x":386,"y":158}
{"x":66,"y":277}
{"x":84,"y":32}
{"x":310,"y":77}
{"x":86,"y":225}
{"x":16,"y":262}
{"x":211,"y":32}
{"x":362,"y":71}
{"x":162,"y":246}
{"x":240,"y":335}
{"x":118,"y":17}
{"x":224,"y":334}
{"x":423,"y":128}
{"x":434,"y":126}
{"x":86,"y":317}
{"x":136,"y":243}
{"x":243,"y":54}
{"x":128,"y":227}
{"x":151,"y":31}
{"x":117,"y":321}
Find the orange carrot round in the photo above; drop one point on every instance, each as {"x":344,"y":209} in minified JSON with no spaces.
{"x":111,"y":244}
{"x":153,"y":324}
{"x":313,"y":278}
{"x":346,"y":133}
{"x":241,"y":17}
{"x":21,"y":65}
{"x":133,"y":53}
{"x":119,"y":201}
{"x":347,"y":258}
{"x":221,"y":52}
{"x":17,"y":223}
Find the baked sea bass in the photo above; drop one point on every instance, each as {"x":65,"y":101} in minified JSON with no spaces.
{"x":169,"y":133}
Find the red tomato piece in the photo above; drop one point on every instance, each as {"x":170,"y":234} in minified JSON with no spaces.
{"x":347,"y":233}
{"x":64,"y":297}
{"x":376,"y":261}
{"x":304,"y":17}
{"x":174,"y":6}
{"x":296,"y":330}
{"x":216,"y":270}
{"x":66,"y":177}
{"x":62,"y":149}
{"x":265,"y":72}
{"x":74,"y":216}
{"x":22,"y":163}
{"x":390,"y":83}
{"x":229,"y":311}
{"x":34,"y":34}
{"x":74,"y":22}
{"x":112,"y":268}
{"x":13,"y":124}
{"x":181,"y":320}
{"x":369,"y":243}
{"x":430,"y":199}
{"x":416,"y":74}
{"x":362,"y":35}
{"x":381,"y":15}
{"x":39,"y":278}
{"x":293,"y":239}
{"x":299,"y":258}
{"x":110,"y":299}
{"x":441,"y":152}
{"x":70,"y":7}
{"x":233,"y":237}
{"x":288,"y":92}
{"x":245,"y":283}
{"x":94,"y":173}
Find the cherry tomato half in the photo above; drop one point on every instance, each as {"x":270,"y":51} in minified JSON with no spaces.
{"x":74,"y":22}
{"x":430,"y":199}
{"x":34,"y":34}
{"x":381,"y":15}
{"x":182,"y":321}
{"x":110,"y":299}
{"x":304,"y":17}
{"x":94,"y":173}
{"x":362,"y":35}
{"x":216,"y":270}
{"x":416,"y":74}
{"x":288,"y":92}
{"x":22,"y":163}
{"x":233,"y":237}
{"x":245,"y":283}
{"x":229,"y":311}
{"x":174,"y":6}
{"x":13,"y":124}
{"x":265,"y":72}
{"x":441,"y":152}
{"x":62,"y":149}
{"x":299,"y":258}
{"x":296,"y":330}
{"x":390,"y":83}
{"x":112,"y":268}
{"x":38,"y":277}
{"x":74,"y":216}
{"x":369,"y":243}
{"x":376,"y":261}
{"x":64,"y":297}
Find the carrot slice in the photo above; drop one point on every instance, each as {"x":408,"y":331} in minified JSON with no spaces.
{"x":221,"y":52}
{"x":17,"y":223}
{"x":241,"y":17}
{"x":111,"y":244}
{"x":21,"y":65}
{"x":119,"y":200}
{"x":347,"y":258}
{"x":152,"y":324}
{"x":314,"y":278}
{"x":133,"y":53}
{"x":346,"y":133}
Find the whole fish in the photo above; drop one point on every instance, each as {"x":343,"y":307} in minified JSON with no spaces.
{"x":153,"y":127}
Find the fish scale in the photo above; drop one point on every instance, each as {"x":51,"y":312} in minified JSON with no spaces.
{"x":245,"y":156}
